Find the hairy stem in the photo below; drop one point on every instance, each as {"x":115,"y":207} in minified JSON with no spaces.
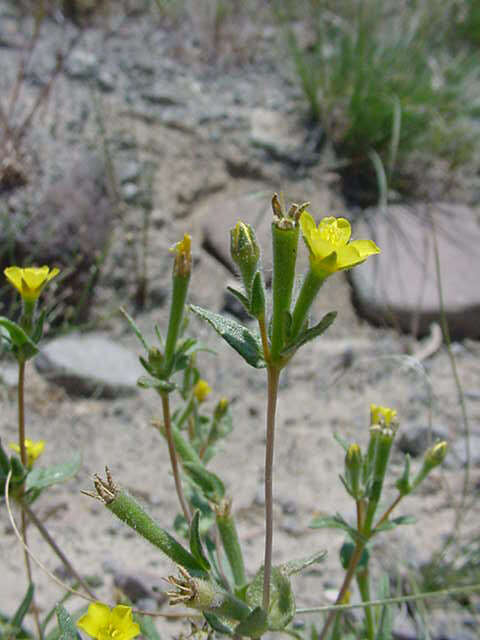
{"x":273,"y":375}
{"x":173,"y":455}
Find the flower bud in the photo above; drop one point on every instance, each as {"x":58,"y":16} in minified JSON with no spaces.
{"x":353,"y":470}
{"x":221,"y":408}
{"x":182,"y":265}
{"x":382,"y":415}
{"x":201,"y":390}
{"x":245,"y":251}
{"x":436,"y":454}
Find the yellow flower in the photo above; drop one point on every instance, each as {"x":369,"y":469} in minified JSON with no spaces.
{"x":329,"y":246}
{"x":29,"y":282}
{"x":103,"y":623}
{"x":183,"y":256}
{"x":382,"y":414}
{"x":201,"y":390}
{"x":34,"y":449}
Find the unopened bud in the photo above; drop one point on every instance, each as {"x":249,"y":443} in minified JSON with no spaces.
{"x":353,"y":469}
{"x":436,"y":454}
{"x":245,"y":251}
{"x":202,"y":390}
{"x":221,"y":408}
{"x":155,"y":358}
{"x":183,"y":257}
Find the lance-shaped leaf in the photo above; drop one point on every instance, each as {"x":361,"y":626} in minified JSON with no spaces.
{"x":66,"y":624}
{"x":244,"y":341}
{"x":244,"y":301}
{"x":395,"y":522}
{"x":147,"y":627}
{"x":22,"y":610}
{"x":312,"y":333}
{"x":19,"y":338}
{"x":254,"y":626}
{"x":195,"y":542}
{"x":336,"y":522}
{"x":218,"y":624}
{"x":211,"y":485}
{"x":282,"y":601}
{"x":154,"y":383}
{"x":42,"y":477}
{"x":293,"y":567}
{"x":135,"y":329}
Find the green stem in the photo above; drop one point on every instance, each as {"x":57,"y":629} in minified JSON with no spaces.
{"x":173,"y":455}
{"x":273,"y":376}
{"x":363,"y":581}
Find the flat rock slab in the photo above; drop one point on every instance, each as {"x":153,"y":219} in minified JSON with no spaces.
{"x":90,"y":365}
{"x":400,"y":286}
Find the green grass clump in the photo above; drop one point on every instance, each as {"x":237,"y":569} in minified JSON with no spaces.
{"x":378,"y":77}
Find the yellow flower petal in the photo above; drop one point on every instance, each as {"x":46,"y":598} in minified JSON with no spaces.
{"x":201,"y":390}
{"x":96,"y":618}
{"x":329,"y":246}
{"x":383,"y":415}
{"x":34,"y":449}
{"x":30,"y":281}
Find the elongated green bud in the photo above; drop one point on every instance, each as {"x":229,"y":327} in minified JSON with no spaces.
{"x":382,"y":455}
{"x":204,"y":595}
{"x":353,"y":470}
{"x":433,"y":458}
{"x":127,"y":509}
{"x":245,"y":252}
{"x":230,"y":541}
{"x":181,"y":277}
{"x":310,"y":287}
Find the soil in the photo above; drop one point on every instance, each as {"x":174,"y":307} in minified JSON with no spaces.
{"x":187,"y":104}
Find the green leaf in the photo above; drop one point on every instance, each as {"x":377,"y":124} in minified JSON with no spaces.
{"x":154,"y":383}
{"x":341,"y":441}
{"x":22,"y":610}
{"x":42,"y":477}
{"x":293,"y":567}
{"x":282,"y":601}
{"x":195,"y":542}
{"x":254,"y":626}
{"x":240,"y":297}
{"x":246,"y":343}
{"x":217,"y":624}
{"x":4,"y":461}
{"x":258,"y":296}
{"x":395,"y":522}
{"x":336,"y":522}
{"x":135,"y":329}
{"x":211,"y":485}
{"x":346,"y":553}
{"x":19,"y":338}
{"x":147,"y":627}
{"x":66,"y":624}
{"x":312,"y":333}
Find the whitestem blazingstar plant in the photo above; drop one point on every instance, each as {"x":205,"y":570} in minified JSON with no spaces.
{"x":211,"y":575}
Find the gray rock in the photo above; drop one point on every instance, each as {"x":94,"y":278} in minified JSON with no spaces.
{"x":81,"y":65}
{"x":106,"y":81}
{"x":90,"y":364}
{"x":399,"y":287}
{"x":130,"y":192}
{"x":163,"y":97}
{"x":129,"y":172}
{"x":415,"y":439}
{"x":68,"y":230}
{"x":8,"y":374}
{"x":140,"y":587}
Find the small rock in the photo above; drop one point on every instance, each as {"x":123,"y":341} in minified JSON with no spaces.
{"x":130,"y":192}
{"x":414,"y":439}
{"x":292,"y":526}
{"x":129,"y":172}
{"x":90,"y":364}
{"x":399,"y":286}
{"x":280,"y":136}
{"x":158,"y":95}
{"x":82,"y":65}
{"x":106,"y":81}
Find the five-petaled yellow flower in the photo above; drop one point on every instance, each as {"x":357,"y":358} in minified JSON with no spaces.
{"x":329,"y":246}
{"x":201,"y":390}
{"x":103,"y":623}
{"x":382,"y":414}
{"x":30,"y":281}
{"x":34,"y":450}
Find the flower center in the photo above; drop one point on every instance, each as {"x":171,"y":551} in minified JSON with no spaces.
{"x":110,"y":632}
{"x":331,"y":235}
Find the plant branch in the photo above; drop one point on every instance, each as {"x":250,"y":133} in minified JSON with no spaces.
{"x":173,"y":455}
{"x":273,"y":376}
